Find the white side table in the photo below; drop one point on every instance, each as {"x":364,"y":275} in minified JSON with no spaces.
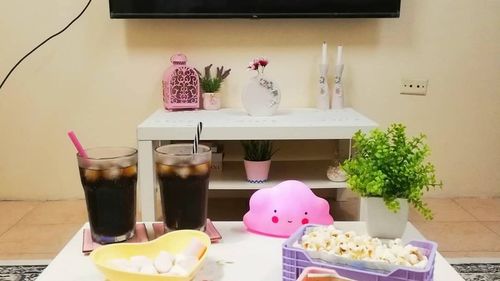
{"x":236,"y":124}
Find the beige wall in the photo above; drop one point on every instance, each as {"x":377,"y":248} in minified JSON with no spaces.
{"x":102,"y":77}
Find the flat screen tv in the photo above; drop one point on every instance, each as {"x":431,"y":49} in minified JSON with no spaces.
{"x":254,"y":8}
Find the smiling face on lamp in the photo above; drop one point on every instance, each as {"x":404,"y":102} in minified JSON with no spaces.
{"x":281,"y":210}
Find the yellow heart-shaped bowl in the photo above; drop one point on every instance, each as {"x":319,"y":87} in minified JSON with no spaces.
{"x":173,"y":242}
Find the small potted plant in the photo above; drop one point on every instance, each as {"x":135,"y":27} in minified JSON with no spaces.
{"x":210,"y":86}
{"x":257,"y":159}
{"x":389,"y":170}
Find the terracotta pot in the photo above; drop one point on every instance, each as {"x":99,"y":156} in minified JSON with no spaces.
{"x":257,"y":171}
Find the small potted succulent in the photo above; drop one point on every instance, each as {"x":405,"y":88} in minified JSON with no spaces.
{"x":389,"y":170}
{"x":210,"y":86}
{"x":257,"y":159}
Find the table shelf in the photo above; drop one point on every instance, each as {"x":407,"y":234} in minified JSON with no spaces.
{"x":236,"y":124}
{"x":312,"y":173}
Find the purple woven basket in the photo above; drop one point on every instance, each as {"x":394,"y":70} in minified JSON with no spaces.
{"x":295,"y":260}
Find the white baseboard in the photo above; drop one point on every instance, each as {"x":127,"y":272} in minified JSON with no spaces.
{"x":24,"y":262}
{"x":472,"y":260}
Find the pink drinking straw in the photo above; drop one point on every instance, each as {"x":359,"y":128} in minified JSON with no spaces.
{"x":77,"y":145}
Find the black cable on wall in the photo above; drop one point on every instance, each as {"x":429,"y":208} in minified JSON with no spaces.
{"x":41,"y":44}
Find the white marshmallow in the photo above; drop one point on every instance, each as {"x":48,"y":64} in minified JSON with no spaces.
{"x":163,"y":262}
{"x":121,"y":264}
{"x":149,"y":269}
{"x":178,"y":271}
{"x":195,"y":248}
{"x":140,"y":261}
{"x":186,"y":262}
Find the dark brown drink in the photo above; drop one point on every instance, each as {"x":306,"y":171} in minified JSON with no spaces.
{"x":109,"y":178}
{"x":184,"y":194}
{"x":111,"y":200}
{"x":182,"y":172}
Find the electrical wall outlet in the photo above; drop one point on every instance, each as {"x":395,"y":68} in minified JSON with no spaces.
{"x":414,"y":86}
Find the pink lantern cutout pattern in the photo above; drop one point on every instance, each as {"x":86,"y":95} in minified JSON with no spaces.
{"x":181,"y":85}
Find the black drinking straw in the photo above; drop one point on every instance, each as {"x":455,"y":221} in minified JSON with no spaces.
{"x":199,"y":128}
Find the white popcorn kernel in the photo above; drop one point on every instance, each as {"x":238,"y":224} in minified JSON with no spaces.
{"x":421,"y":264}
{"x":413,"y":259}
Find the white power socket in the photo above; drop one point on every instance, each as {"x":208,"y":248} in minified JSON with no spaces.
{"x":414,"y":86}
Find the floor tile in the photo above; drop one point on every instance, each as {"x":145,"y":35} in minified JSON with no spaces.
{"x":445,"y":210}
{"x":484,"y":209}
{"x":460,"y":236}
{"x":448,"y":254}
{"x":57,"y":212}
{"x":4,"y":228}
{"x":12,"y":211}
{"x":37,"y":239}
{"x":493,"y":225}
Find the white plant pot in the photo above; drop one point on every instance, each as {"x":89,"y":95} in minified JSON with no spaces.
{"x":382,"y":222}
{"x":261,"y":96}
{"x":211,"y":101}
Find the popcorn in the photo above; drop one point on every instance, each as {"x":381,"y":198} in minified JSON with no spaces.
{"x":328,"y":239}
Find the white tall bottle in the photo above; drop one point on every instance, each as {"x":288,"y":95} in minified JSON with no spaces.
{"x":323,"y":97}
{"x":338,"y":91}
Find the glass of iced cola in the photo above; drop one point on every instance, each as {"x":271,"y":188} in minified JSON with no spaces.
{"x":183,"y":179}
{"x":109,"y":178}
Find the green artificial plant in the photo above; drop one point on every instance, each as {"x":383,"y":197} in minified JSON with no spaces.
{"x":211,"y":84}
{"x":391,"y":165}
{"x":258,"y":150}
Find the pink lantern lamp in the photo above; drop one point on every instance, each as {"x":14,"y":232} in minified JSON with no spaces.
{"x":181,"y":85}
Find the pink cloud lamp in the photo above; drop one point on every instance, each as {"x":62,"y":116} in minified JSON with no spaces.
{"x":279,"y":211}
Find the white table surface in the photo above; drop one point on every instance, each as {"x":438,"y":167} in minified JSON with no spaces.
{"x":240,"y":256}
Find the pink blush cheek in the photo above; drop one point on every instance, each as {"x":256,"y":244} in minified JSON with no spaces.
{"x":305,"y":221}
{"x":275,"y":219}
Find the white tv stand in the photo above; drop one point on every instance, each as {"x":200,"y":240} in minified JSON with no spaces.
{"x":235,"y":124}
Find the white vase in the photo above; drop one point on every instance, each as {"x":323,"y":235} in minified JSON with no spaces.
{"x":261,"y":96}
{"x":382,"y":222}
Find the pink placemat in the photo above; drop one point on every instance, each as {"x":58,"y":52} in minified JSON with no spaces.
{"x":210,"y":230}
{"x":140,"y":235}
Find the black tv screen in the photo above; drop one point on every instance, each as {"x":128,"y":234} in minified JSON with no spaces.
{"x":254,"y":8}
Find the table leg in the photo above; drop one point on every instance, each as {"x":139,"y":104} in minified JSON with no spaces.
{"x":147,"y":180}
